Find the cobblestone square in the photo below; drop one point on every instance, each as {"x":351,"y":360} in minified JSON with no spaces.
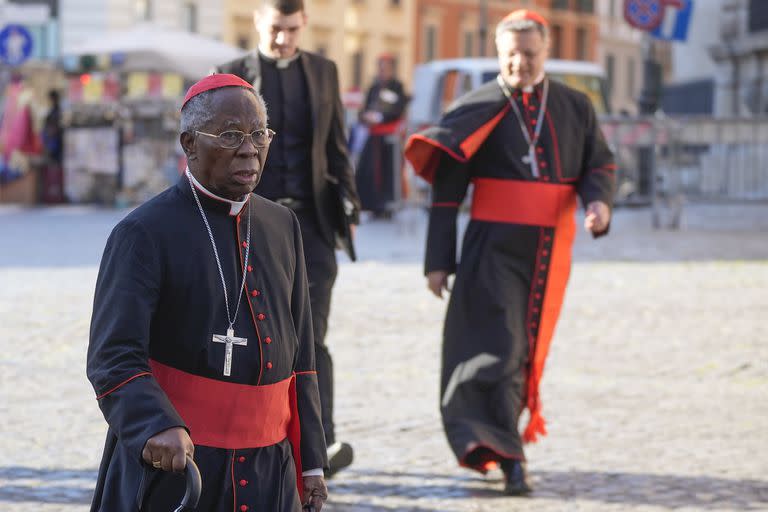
{"x":656,"y":390}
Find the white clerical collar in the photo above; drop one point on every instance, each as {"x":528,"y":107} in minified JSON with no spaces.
{"x":234,"y":206}
{"x":539,"y":79}
{"x":280,"y":63}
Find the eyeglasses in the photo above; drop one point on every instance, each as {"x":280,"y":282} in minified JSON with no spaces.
{"x":233,"y":139}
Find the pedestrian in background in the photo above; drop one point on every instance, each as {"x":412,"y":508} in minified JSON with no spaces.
{"x":530,"y":146}
{"x":379,"y":165}
{"x":306,"y":162}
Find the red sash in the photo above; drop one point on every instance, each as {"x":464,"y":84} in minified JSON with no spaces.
{"x":234,"y":416}
{"x":226,"y":415}
{"x":520,"y":202}
{"x":385,"y":128}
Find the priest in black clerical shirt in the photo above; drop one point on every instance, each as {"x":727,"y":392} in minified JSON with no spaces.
{"x":308,"y":156}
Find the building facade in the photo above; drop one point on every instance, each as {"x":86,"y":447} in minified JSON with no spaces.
{"x":741,"y":59}
{"x":353,"y":33}
{"x":445,"y":29}
{"x":620,"y":54}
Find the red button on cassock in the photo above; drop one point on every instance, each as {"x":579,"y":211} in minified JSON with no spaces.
{"x":244,"y":508}
{"x":255,"y":293}
{"x":261,"y":316}
{"x":269,"y":366}
{"x":243,"y":483}
{"x":241,"y":459}
{"x":267,"y":340}
{"x":539,"y":150}
{"x":250,"y":269}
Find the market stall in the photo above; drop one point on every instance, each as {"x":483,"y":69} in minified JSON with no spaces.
{"x":121,"y":140}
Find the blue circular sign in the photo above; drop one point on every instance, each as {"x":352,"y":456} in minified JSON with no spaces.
{"x":15,"y":44}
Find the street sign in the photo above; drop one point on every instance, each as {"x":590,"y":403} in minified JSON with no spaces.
{"x":647,"y":15}
{"x":15,"y":44}
{"x":675,"y":25}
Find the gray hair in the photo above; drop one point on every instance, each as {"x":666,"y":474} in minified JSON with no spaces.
{"x":199,"y":111}
{"x":521,"y":26}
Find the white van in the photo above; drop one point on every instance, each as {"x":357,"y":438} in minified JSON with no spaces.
{"x":438,"y":83}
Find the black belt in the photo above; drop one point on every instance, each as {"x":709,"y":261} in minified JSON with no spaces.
{"x":293,"y":203}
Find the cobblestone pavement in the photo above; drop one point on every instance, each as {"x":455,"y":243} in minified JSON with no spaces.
{"x":655,"y":391}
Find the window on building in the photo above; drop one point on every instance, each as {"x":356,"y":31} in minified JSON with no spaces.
{"x":556,"y":50}
{"x":581,"y":43}
{"x":430,"y":43}
{"x":758,"y":15}
{"x":585,"y":6}
{"x":631,"y":77}
{"x":560,"y":4}
{"x":143,"y":10}
{"x":243,"y":42}
{"x":189,"y":16}
{"x":610,"y":73}
{"x":357,"y":68}
{"x":469,"y":44}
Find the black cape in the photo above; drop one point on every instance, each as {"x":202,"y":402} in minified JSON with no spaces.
{"x":512,"y":274}
{"x":159,"y":296}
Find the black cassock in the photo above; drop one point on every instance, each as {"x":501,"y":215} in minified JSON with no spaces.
{"x":515,"y":258}
{"x":153,"y":364}
{"x":378,"y":165}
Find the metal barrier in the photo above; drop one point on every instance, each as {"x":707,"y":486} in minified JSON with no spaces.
{"x":693,"y":158}
{"x":666,"y":162}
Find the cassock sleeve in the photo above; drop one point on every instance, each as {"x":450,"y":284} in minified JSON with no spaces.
{"x":127,"y":291}
{"x":598,"y":169}
{"x":313,"y":450}
{"x":448,"y":190}
{"x":339,"y":164}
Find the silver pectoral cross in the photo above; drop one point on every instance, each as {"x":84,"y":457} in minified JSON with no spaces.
{"x":229,"y":340}
{"x":530,"y":159}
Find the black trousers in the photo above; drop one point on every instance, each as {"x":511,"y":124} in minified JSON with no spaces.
{"x":320,"y":257}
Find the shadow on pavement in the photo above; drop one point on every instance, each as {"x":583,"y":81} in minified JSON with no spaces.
{"x":634,"y":489}
{"x":37,"y":485}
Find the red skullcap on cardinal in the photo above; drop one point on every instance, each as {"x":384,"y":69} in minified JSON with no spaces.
{"x":522,"y":19}
{"x":214,"y":82}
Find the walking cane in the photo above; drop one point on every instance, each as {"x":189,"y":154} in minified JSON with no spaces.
{"x":194,"y":487}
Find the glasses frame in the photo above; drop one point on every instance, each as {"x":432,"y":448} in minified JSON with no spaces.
{"x":242,"y":139}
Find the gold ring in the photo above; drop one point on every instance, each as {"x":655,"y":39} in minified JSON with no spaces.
{"x":157,"y":464}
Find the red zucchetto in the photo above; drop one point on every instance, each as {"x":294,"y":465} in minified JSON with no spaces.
{"x":214,"y":82}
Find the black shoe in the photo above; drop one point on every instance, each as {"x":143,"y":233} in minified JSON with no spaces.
{"x":340,"y":456}
{"x":515,"y":478}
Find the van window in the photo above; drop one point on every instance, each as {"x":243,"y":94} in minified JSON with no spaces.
{"x":452,"y":85}
{"x":592,"y":86}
